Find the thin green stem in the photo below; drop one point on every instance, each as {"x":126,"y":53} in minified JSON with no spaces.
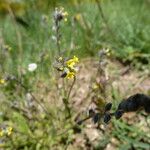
{"x":74,"y":80}
{"x":57,"y":37}
{"x":66,"y":99}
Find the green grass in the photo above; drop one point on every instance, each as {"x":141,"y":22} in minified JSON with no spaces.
{"x":129,"y":22}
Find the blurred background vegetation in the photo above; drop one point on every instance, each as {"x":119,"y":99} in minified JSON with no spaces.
{"x":124,"y":28}
{"x":26,"y":36}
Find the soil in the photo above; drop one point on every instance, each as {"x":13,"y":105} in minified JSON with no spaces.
{"x":125,"y":80}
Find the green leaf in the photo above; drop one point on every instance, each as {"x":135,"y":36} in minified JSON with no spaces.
{"x":20,"y":122}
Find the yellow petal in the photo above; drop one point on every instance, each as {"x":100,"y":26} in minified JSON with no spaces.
{"x":70,"y":75}
{"x":2,"y":81}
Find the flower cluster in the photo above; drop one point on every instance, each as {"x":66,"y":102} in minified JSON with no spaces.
{"x":60,"y":14}
{"x":68,"y":67}
{"x":5,"y":131}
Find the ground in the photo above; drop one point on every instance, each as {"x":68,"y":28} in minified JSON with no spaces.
{"x":126,"y":80}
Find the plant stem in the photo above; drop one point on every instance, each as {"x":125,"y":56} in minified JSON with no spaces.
{"x":74,"y":80}
{"x":57,"y":36}
{"x":66,"y":100}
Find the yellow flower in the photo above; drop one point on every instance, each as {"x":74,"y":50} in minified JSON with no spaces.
{"x":60,"y":58}
{"x":71,"y":62}
{"x":65,"y":19}
{"x":71,"y":65}
{"x":70,"y":75}
{"x":78,"y":17}
{"x":76,"y":59}
{"x":65,"y":14}
{"x":1,"y":132}
{"x":6,"y":131}
{"x":2,"y":81}
{"x":69,"y":69}
{"x":9,"y":131}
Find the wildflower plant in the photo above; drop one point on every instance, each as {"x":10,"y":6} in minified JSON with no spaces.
{"x":100,"y":113}
{"x":66,"y":67}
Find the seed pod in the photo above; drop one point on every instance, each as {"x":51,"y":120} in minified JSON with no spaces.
{"x":108,"y":107}
{"x":96,"y":118}
{"x":107,"y":118}
{"x":64,"y":75}
{"x":118,"y":114}
{"x":60,"y":69}
{"x":91,"y":112}
{"x":59,"y":17}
